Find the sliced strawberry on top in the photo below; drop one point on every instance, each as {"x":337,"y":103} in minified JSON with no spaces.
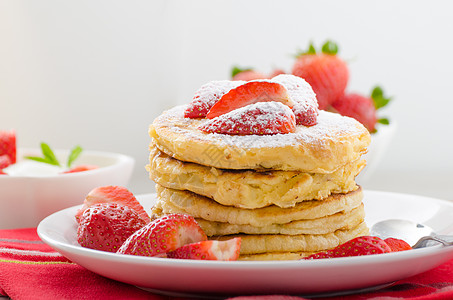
{"x":397,"y":244}
{"x":209,"y":250}
{"x":305,"y":104}
{"x":249,"y":93}
{"x":8,"y":144}
{"x":262,"y":118}
{"x":81,"y":168}
{"x":207,"y":95}
{"x":163,"y":235}
{"x":362,"y":245}
{"x":117,"y":194}
{"x":106,"y":226}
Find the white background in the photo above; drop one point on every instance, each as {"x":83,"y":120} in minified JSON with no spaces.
{"x":96,"y":73}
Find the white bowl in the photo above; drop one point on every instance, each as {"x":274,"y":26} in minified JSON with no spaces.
{"x":26,"y":200}
{"x":380,"y":142}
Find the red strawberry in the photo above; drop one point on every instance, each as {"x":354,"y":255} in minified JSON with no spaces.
{"x":81,"y":168}
{"x":358,"y":107}
{"x":249,"y":93}
{"x":117,"y":194}
{"x":397,"y":244}
{"x":163,"y":235}
{"x":276,"y":72}
{"x":209,"y":250}
{"x":326,"y":73}
{"x":207,"y":96}
{"x":5,"y":161}
{"x":363,"y":245}
{"x":247,"y":75}
{"x":305,"y":104}
{"x":106,"y":226}
{"x":262,"y":118}
{"x":8,"y":144}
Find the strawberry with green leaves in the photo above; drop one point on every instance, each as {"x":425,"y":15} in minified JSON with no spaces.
{"x":106,"y":226}
{"x":163,"y":235}
{"x":247,"y":74}
{"x":363,"y":108}
{"x":327,"y":74}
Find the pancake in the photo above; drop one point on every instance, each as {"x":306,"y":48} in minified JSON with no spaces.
{"x":274,"y":256}
{"x":265,"y":243}
{"x":176,"y":201}
{"x":341,"y":220}
{"x":248,"y":188}
{"x":322,"y":148}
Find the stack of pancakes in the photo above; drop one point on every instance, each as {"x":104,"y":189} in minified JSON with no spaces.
{"x":285,"y":195}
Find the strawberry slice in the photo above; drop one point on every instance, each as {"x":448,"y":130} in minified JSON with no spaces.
{"x":207,"y":96}
{"x":209,"y":250}
{"x":106,"y":226}
{"x":397,"y":244}
{"x":8,"y":144}
{"x":305,"y":103}
{"x":163,"y":235}
{"x":262,"y":118}
{"x":117,"y":194}
{"x":81,"y":168}
{"x":362,"y":245}
{"x":249,"y":93}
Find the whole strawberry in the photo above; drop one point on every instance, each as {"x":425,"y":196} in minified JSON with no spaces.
{"x":246,"y":74}
{"x":363,"y":245}
{"x":5,"y":161}
{"x":163,"y":235}
{"x":106,"y":226}
{"x":8,"y":144}
{"x":363,"y":108}
{"x":327,"y":74}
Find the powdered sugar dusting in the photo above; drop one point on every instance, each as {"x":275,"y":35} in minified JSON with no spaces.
{"x":259,"y":118}
{"x":212,"y":91}
{"x":330,"y":127}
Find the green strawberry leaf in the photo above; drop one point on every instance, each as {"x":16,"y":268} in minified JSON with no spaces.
{"x":378,"y":97}
{"x":330,"y":48}
{"x":75,"y":152}
{"x":236,"y":70}
{"x":311,"y":51}
{"x":384,"y":121}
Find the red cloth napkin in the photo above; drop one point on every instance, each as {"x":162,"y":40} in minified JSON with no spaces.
{"x":29,"y":269}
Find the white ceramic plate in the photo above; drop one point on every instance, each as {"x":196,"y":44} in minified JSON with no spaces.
{"x":274,"y":277}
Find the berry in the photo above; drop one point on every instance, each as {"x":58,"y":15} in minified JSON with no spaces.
{"x":363,"y":245}
{"x":247,"y":75}
{"x":262,"y":118}
{"x":305,"y":104}
{"x":209,"y":250}
{"x":106,"y":226}
{"x":117,"y":194}
{"x":358,"y":107}
{"x":397,"y":244}
{"x":81,"y":168}
{"x":326,"y":73}
{"x":5,"y":161}
{"x":276,"y":72}
{"x":163,"y":235}
{"x":8,"y":144}
{"x":249,"y":93}
{"x":207,"y":95}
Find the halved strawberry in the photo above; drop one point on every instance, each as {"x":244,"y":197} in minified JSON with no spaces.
{"x":325,"y":72}
{"x":249,"y":93}
{"x":81,"y":168}
{"x":117,"y":194}
{"x":305,"y":104}
{"x":209,"y":250}
{"x":363,"y":245}
{"x":163,"y":235}
{"x":5,"y":161}
{"x":397,"y":244}
{"x":106,"y":226}
{"x":262,"y":118}
{"x":207,"y":96}
{"x":8,"y":144}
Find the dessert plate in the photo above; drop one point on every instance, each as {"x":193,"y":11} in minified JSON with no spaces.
{"x":302,"y":277}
